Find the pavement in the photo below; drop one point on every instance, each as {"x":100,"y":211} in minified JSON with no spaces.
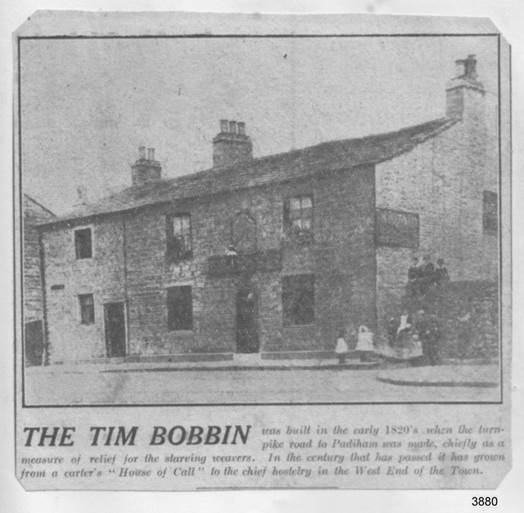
{"x":483,"y":376}
{"x":240,"y":364}
{"x":323,"y":382}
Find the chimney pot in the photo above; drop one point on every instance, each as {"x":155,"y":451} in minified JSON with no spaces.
{"x":459,"y":70}
{"x":231,"y":145}
{"x":471,"y":66}
{"x":460,"y":88}
{"x":145,"y":170}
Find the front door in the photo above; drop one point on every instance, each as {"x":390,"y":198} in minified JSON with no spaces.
{"x":247,"y":335}
{"x":115,"y":326}
{"x":34,"y":343}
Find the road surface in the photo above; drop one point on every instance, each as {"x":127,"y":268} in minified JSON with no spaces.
{"x":88,"y":385}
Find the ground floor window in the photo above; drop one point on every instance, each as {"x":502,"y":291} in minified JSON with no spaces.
{"x":179,"y":308}
{"x":87,"y":308}
{"x":298,"y":299}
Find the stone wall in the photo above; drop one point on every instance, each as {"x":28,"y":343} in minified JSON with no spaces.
{"x":443,"y":180}
{"x":468,"y":315}
{"x":66,"y":278}
{"x":341,"y":257}
{"x":129,"y":264}
{"x":33,"y":298}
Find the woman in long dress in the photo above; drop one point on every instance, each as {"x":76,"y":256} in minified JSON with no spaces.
{"x":365,"y":346}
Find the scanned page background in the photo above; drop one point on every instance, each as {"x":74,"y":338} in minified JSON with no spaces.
{"x":506,"y":18}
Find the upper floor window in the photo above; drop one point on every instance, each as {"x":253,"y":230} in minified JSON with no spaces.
{"x":298,"y":299}
{"x":179,"y":308}
{"x":83,"y":243}
{"x":298,"y":215}
{"x":87,"y":308}
{"x":179,"y":244}
{"x":489,"y":213}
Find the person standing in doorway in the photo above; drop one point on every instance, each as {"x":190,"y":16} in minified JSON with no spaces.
{"x":341,"y":349}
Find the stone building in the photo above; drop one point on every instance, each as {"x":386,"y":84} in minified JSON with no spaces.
{"x":272,"y":256}
{"x":34,"y":214}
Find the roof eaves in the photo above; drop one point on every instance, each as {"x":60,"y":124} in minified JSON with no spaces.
{"x":413,"y":141}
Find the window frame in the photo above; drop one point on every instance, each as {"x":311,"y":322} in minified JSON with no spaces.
{"x":171,"y":327}
{"x":91,"y":228}
{"x":299,"y":233}
{"x":490,"y":220}
{"x":180,"y":256}
{"x":81,"y":307}
{"x":291,"y":320}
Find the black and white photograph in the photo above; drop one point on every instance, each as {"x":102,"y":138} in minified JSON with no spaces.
{"x":260,"y":220}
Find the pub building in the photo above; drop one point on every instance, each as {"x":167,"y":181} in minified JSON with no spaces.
{"x":270,"y":257}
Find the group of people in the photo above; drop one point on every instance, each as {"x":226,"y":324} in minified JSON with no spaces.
{"x":415,"y":337}
{"x":424,"y":275}
{"x":364,"y":348}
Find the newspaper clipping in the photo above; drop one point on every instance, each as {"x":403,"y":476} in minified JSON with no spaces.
{"x":261,"y":252}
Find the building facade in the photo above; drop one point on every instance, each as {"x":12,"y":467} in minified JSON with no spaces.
{"x":272,"y":256}
{"x":34,"y":289}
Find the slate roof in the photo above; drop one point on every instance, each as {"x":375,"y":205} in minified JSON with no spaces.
{"x":321,"y":158}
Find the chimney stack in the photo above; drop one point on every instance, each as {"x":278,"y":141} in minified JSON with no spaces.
{"x":231,"y":145}
{"x":464,"y":91}
{"x":145,"y":169}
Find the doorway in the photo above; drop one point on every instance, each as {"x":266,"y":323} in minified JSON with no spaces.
{"x":34,"y":343}
{"x":246,"y":327}
{"x":115,"y":329}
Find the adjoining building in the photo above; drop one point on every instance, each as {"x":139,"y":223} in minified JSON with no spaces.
{"x":34,"y":214}
{"x":272,"y":256}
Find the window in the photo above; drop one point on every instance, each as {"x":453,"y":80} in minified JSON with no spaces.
{"x":179,"y":245}
{"x":83,"y":243}
{"x":489,"y":213}
{"x":298,"y":214}
{"x":179,"y":308}
{"x":298,"y":299}
{"x":87,"y":308}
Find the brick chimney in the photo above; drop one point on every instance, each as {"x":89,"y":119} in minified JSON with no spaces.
{"x":464,"y":92}
{"x":146,"y":169}
{"x":231,"y":145}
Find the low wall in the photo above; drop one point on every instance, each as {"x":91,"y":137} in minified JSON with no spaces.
{"x":467,"y":312}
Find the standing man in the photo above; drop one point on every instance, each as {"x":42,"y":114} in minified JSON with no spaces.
{"x":428,"y":274}
{"x":429,"y":332}
{"x":441,"y":272}
{"x":413,"y":287}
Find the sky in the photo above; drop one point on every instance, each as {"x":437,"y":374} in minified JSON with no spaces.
{"x":88,"y":104}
